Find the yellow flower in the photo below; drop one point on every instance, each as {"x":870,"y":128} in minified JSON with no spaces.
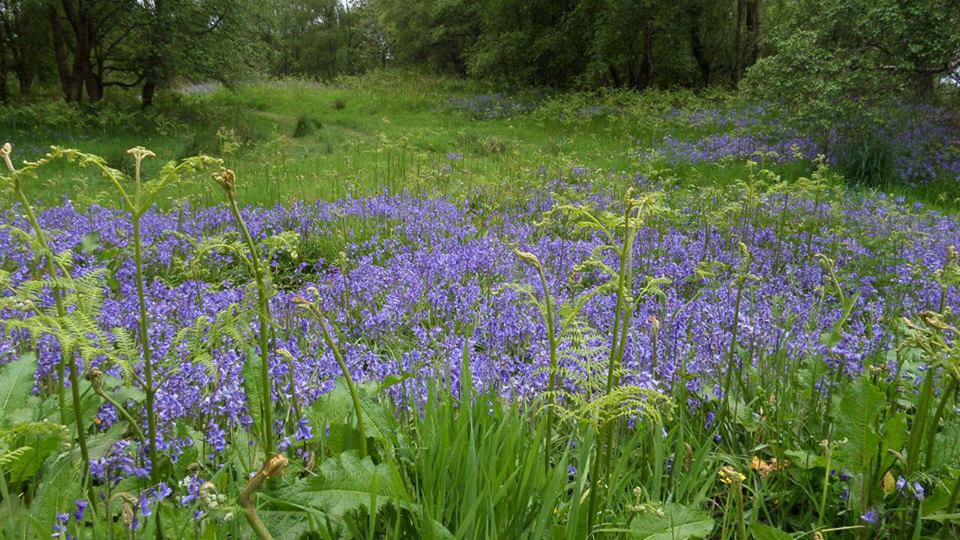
{"x":730,"y":476}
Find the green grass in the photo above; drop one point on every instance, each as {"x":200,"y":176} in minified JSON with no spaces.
{"x":385,"y":132}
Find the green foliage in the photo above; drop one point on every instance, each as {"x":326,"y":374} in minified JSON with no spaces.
{"x":345,"y":484}
{"x":840,"y":61}
{"x":323,"y":39}
{"x":671,"y":521}
{"x":867,"y":159}
{"x":306,"y":126}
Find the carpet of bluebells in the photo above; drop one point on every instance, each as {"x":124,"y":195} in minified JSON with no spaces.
{"x":923,"y":141}
{"x":429,"y":274}
{"x":740,"y":278}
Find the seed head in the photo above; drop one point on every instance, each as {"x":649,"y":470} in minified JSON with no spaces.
{"x":227,"y":181}
{"x":275,"y":466}
{"x":5,"y":151}
{"x":654,"y":323}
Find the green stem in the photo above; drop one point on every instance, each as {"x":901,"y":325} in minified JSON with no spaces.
{"x":826,"y":487}
{"x":920,"y":421}
{"x":271,"y":468}
{"x":935,"y":421}
{"x":57,"y":298}
{"x":620,"y":316}
{"x":338,"y":355}
{"x":263,"y":314}
{"x":148,"y":389}
{"x":728,"y":376}
{"x":741,"y":522}
{"x":121,"y":409}
{"x":552,"y":340}
{"x":954,"y":496}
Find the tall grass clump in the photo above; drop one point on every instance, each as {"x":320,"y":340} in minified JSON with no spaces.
{"x":867,"y":158}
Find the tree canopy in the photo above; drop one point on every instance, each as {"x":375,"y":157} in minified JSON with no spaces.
{"x":794,"y":51}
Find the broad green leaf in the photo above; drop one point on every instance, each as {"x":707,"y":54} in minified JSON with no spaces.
{"x":60,"y":488}
{"x":673,"y":522}
{"x":331,"y":408}
{"x":33,"y":443}
{"x":336,"y":407}
{"x":344,"y":484}
{"x":16,"y":382}
{"x":759,"y":531}
{"x":857,"y":417}
{"x":744,"y":416}
{"x":285,"y":525}
{"x":805,"y":460}
{"x":98,"y":445}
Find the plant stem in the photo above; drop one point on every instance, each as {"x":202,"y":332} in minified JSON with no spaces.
{"x":55,"y":289}
{"x":338,"y":355}
{"x":263,"y":314}
{"x":620,"y":320}
{"x":272,"y":468}
{"x":120,"y":408}
{"x":935,"y":421}
{"x":826,"y":487}
{"x":552,"y":340}
{"x":741,"y":523}
{"x":920,"y":421}
{"x":148,"y":389}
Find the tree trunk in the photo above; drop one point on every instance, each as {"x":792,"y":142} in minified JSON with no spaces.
{"x":755,"y":26}
{"x":94,"y":85}
{"x":614,"y":76}
{"x":925,"y":85}
{"x":25,"y":79}
{"x":4,"y":45}
{"x":154,"y":64}
{"x":696,"y":43}
{"x":738,"y":43}
{"x":646,"y":61}
{"x":4,"y":91}
{"x":69,"y":85}
{"x":146,"y":95}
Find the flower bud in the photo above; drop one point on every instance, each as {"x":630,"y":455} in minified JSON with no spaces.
{"x":227,"y":180}
{"x":529,"y":258}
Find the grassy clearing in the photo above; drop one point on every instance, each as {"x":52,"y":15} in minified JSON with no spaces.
{"x":392,"y":133}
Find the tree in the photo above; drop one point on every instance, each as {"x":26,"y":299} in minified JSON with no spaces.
{"x":326,"y":38}
{"x":748,"y":34}
{"x":433,"y":33}
{"x":211,"y":39}
{"x":539,"y":42}
{"x":841,"y":58}
{"x":26,"y":43}
{"x":79,"y":28}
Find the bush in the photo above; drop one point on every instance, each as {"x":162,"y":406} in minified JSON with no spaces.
{"x":866,"y":158}
{"x":306,"y":126}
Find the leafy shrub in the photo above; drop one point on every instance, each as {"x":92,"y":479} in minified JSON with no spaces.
{"x":306,"y":126}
